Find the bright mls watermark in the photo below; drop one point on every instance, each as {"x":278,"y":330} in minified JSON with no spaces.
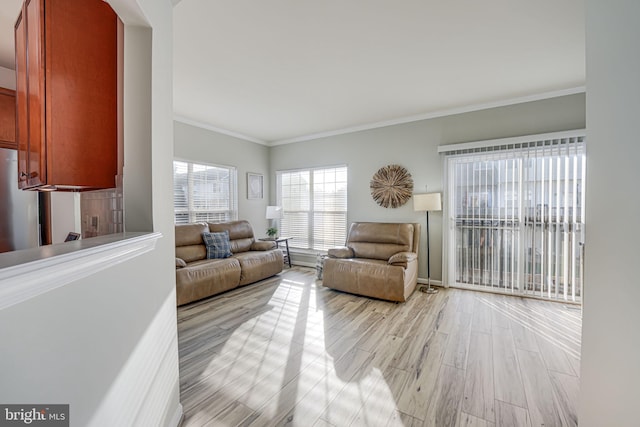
{"x":34,"y":415}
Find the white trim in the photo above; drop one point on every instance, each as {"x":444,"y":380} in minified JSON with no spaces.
{"x":303,"y":264}
{"x":32,"y":272}
{"x":148,"y":381}
{"x":511,"y":141}
{"x":177,"y":416}
{"x":434,"y":282}
{"x":385,"y":123}
{"x":433,"y":115}
{"x":207,"y":126}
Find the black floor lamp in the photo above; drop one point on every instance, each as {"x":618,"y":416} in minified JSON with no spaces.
{"x":425,"y":203}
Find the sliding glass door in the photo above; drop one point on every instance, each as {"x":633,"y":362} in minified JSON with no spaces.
{"x":515,"y":220}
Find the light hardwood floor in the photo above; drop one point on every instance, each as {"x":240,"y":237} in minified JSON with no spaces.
{"x":287,"y":351}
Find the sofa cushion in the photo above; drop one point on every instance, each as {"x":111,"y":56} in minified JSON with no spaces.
{"x":204,"y":278}
{"x":257,"y":265}
{"x":340,"y":252}
{"x":380,"y":240}
{"x":189,"y":245}
{"x":240,"y":234}
{"x":403,"y":258}
{"x":263,"y":246}
{"x":369,"y":277}
{"x":218,"y":245}
{"x":190,"y":234}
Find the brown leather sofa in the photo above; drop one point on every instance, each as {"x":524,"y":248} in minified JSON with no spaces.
{"x":380,"y":260}
{"x":198,"y":277}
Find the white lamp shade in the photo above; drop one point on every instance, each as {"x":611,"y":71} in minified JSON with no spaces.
{"x":274,"y":212}
{"x":427,"y":202}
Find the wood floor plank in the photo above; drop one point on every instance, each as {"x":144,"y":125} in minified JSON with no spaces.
{"x":287,"y":351}
{"x":232,"y":415}
{"x":523,"y":336}
{"x":467,"y":420}
{"x":567,"y":389}
{"x":322,"y":423}
{"x":399,"y":419}
{"x":482,"y":317}
{"x":423,"y":378}
{"x":479,"y":394}
{"x":508,"y":415}
{"x":445,"y":405}
{"x":411,"y":353}
{"x":543,"y":409}
{"x":499,"y":316}
{"x":555,"y":358}
{"x":458,"y":343}
{"x":506,"y":371}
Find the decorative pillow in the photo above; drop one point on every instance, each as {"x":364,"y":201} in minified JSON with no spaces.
{"x":180,"y":263}
{"x":218,"y":244}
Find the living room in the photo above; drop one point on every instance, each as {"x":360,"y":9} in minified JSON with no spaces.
{"x":126,"y":309}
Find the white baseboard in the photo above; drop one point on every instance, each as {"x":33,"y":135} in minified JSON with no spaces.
{"x":433,"y":282}
{"x":176,"y":420}
{"x":304,"y":263}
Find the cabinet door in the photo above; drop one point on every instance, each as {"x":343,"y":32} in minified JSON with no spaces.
{"x":35,"y":92}
{"x":81,"y":58}
{"x":22,"y":124}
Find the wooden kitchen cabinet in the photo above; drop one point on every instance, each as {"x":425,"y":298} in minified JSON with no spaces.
{"x":7,"y":118}
{"x":68,"y":66}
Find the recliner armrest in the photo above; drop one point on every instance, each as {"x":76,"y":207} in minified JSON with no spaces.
{"x":341,"y":252}
{"x":402,"y":258}
{"x":262,"y":245}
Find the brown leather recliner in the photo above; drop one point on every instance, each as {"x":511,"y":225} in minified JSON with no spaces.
{"x":380,"y":260}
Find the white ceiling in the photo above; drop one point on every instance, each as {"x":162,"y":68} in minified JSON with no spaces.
{"x":283,"y":69}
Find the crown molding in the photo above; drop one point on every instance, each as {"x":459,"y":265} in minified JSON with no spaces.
{"x":434,"y":114}
{"x":385,"y":123}
{"x":208,"y":126}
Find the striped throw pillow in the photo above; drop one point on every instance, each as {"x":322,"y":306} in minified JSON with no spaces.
{"x":218,"y":244}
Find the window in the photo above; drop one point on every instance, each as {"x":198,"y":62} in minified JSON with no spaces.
{"x":516,"y":217}
{"x":314,"y":202}
{"x":204,"y":193}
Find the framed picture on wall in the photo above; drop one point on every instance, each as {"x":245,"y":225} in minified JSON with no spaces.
{"x":255,"y":186}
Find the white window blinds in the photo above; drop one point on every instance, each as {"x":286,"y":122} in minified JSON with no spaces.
{"x":516,"y":216}
{"x":204,"y":193}
{"x":314,"y":202}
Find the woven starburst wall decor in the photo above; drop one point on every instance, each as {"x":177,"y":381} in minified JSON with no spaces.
{"x":391,"y":186}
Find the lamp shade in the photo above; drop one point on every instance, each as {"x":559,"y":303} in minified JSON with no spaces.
{"x":427,"y":202}
{"x":274,"y":212}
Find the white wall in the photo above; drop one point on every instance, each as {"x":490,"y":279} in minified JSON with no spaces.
{"x":414,"y":146}
{"x":65,"y":215}
{"x":201,"y":145}
{"x":7,"y":78}
{"x":610,"y":374}
{"x":107,"y":344}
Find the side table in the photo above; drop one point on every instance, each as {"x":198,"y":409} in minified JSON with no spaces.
{"x":279,"y":240}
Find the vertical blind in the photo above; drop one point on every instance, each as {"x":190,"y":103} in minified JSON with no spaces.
{"x":204,"y":193}
{"x":314,"y":203}
{"x":516,"y":217}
